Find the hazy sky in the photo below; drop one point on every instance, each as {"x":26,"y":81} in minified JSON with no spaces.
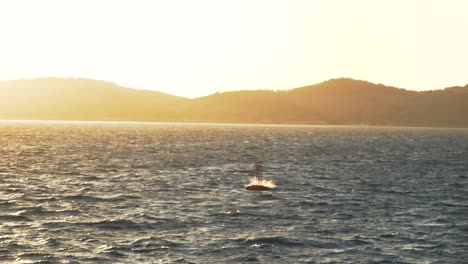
{"x":195,"y":48}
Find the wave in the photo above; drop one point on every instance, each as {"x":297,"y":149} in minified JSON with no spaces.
{"x":14,"y":246}
{"x":141,"y":245}
{"x":30,"y":210}
{"x":151,"y":243}
{"x":230,"y":213}
{"x":42,"y":211}
{"x":387,"y":235}
{"x":118,"y":224}
{"x":281,"y":241}
{"x":36,"y":258}
{"x":66,"y":212}
{"x":10,"y":203}
{"x":343,"y":216}
{"x":273,"y":241}
{"x":359,"y":241}
{"x":245,"y":259}
{"x":95,"y":199}
{"x":15,"y":218}
{"x":114,"y":224}
{"x":114,"y":251}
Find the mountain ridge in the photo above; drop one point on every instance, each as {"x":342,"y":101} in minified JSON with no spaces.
{"x":340,"y":101}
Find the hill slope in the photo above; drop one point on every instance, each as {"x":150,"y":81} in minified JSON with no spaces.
{"x":83,"y":99}
{"x":337,"y":101}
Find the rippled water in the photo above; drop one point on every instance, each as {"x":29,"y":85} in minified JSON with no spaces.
{"x":169,"y":193}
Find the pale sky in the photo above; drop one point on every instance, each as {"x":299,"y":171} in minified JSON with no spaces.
{"x":197,"y":47}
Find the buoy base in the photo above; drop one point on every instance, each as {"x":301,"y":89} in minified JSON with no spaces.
{"x":257,"y":187}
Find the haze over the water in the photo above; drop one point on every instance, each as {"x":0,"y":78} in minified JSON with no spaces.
{"x":194,"y":48}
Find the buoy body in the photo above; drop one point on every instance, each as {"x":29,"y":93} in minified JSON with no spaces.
{"x":256,"y":187}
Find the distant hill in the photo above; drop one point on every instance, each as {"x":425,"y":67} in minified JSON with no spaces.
{"x":339,"y":102}
{"x":334,"y":102}
{"x":83,"y":99}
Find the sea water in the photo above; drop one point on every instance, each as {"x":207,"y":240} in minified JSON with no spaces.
{"x":174,"y":193}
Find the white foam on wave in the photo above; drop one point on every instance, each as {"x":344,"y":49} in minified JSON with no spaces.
{"x":266,"y":183}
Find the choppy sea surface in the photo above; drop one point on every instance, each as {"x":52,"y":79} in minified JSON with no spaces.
{"x":174,"y":193}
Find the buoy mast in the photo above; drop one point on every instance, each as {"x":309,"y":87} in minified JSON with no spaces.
{"x":258,"y":173}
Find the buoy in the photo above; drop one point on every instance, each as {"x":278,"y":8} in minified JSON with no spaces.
{"x":257,"y":183}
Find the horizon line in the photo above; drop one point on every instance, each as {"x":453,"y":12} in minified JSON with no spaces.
{"x":221,"y":91}
{"x":212,"y":124}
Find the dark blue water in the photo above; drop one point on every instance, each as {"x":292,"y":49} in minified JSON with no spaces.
{"x":168,"y":193}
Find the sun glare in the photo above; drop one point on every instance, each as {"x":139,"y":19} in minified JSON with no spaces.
{"x":195,"y":48}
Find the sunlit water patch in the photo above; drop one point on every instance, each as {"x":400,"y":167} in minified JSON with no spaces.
{"x":146,"y":193}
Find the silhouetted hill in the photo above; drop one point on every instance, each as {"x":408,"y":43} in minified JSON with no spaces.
{"x":340,"y":102}
{"x":335,"y":102}
{"x":83,"y":99}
